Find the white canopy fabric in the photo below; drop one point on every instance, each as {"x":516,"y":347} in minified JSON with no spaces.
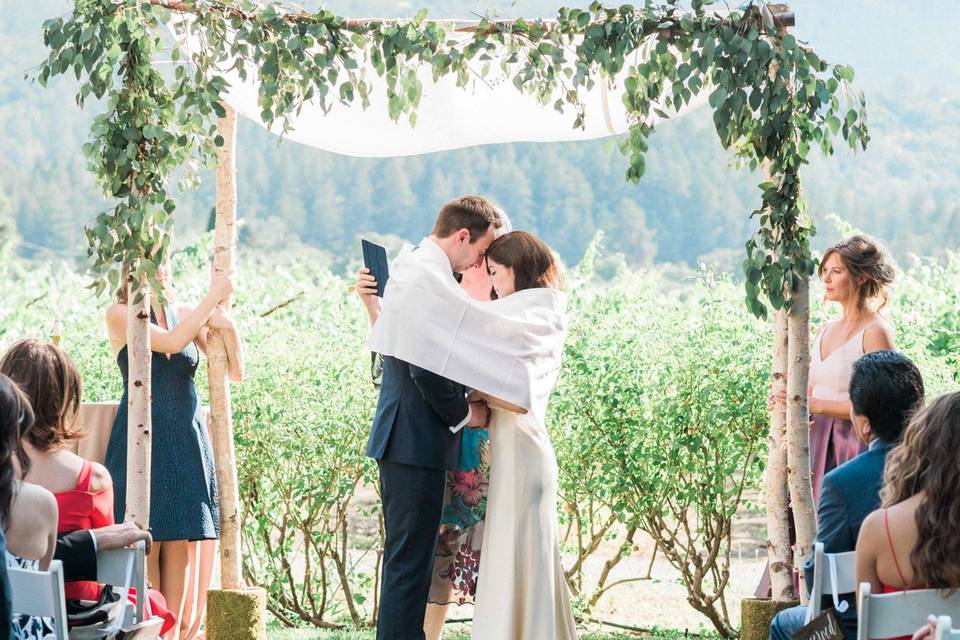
{"x":487,"y":111}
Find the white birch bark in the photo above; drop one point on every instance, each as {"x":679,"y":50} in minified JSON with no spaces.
{"x":798,"y":426}
{"x":220,"y":413}
{"x":139,"y":400}
{"x":775,"y":480}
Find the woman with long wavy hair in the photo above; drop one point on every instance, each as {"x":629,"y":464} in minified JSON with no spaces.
{"x":911,"y":542}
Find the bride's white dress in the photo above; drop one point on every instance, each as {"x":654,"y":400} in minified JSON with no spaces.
{"x":521,"y":592}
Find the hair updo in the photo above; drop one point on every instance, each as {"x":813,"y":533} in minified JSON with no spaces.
{"x":870,"y":267}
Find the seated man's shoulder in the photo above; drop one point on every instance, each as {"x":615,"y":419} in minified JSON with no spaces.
{"x":863,"y":468}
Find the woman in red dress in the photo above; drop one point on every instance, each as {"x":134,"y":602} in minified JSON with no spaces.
{"x":83,"y":489}
{"x":911,"y":542}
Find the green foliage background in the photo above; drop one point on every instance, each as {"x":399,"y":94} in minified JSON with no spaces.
{"x":661,"y":399}
{"x":904,"y":188}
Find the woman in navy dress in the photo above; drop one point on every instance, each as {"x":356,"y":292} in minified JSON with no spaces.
{"x":183,"y":490}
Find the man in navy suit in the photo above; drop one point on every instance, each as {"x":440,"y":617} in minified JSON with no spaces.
{"x":416,"y":437}
{"x":885,"y":389}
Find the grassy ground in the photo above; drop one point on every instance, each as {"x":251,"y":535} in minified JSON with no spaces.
{"x":306,"y":634}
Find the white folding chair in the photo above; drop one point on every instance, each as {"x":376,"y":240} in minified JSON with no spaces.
{"x":945,"y":630}
{"x":40,"y":593}
{"x":833,"y":574}
{"x":126,"y":567}
{"x":888,"y":615}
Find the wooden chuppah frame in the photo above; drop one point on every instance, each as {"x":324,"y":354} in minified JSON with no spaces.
{"x":797,"y":325}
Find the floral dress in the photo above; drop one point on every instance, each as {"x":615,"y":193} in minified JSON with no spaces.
{"x":457,"y":563}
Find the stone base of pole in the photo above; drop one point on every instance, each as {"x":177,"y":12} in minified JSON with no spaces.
{"x":756,"y":614}
{"x":236,"y":614}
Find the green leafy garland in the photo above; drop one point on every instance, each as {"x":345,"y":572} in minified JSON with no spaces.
{"x":773,"y":99}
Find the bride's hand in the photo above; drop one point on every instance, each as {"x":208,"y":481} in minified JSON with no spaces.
{"x":475,"y":396}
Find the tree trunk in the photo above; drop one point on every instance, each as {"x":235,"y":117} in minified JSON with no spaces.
{"x":138,"y":404}
{"x":775,"y":481}
{"x":220,"y":414}
{"x":798,"y":426}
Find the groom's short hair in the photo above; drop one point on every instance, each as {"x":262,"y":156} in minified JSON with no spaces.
{"x":474,"y":213}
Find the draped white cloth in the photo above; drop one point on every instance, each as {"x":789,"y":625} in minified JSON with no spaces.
{"x":488,"y":110}
{"x":508,"y":348}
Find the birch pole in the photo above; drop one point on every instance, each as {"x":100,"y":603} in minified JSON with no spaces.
{"x":139,"y":401}
{"x":221,"y":418}
{"x":775,"y":480}
{"x":798,"y":426}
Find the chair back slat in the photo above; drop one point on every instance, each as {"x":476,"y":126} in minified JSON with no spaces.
{"x":846,"y":564}
{"x":113,"y":569}
{"x":888,"y":615}
{"x":40,"y":593}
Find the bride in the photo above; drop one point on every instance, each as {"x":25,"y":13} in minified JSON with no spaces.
{"x":521,"y":591}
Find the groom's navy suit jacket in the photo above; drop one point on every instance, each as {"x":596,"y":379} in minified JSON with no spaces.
{"x":848,"y":494}
{"x":414,"y":414}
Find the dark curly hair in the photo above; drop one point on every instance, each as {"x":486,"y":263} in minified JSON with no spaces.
{"x":16,"y":417}
{"x":927,"y":461}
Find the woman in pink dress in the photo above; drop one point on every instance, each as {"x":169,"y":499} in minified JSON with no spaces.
{"x":856,"y":273}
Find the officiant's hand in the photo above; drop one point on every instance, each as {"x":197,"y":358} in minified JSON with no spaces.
{"x":366,"y":288}
{"x":479,"y":414}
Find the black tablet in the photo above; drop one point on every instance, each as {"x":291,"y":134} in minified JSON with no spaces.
{"x":375,"y":259}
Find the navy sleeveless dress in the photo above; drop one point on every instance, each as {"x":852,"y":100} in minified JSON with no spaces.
{"x":183,"y":491}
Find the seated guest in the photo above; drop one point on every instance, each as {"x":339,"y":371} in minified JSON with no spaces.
{"x":28,"y":512}
{"x":885,"y":389}
{"x":912,"y":542}
{"x":84,"y":491}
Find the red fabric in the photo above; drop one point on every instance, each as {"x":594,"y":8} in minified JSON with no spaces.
{"x":83,"y":509}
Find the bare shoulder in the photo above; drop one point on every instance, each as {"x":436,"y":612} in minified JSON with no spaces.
{"x":100,"y":479}
{"x":34,"y":507}
{"x":116,"y":311}
{"x":878,"y":335}
{"x":870,"y":529}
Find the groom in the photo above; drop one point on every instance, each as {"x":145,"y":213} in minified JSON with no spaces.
{"x":413,"y":443}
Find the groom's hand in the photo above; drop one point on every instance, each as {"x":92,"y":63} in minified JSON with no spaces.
{"x":366,"y":288}
{"x":479,"y":414}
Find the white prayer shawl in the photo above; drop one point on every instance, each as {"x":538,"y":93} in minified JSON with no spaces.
{"x":508,"y":348}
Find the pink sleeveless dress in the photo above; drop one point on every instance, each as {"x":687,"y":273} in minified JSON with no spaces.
{"x":832,"y":440}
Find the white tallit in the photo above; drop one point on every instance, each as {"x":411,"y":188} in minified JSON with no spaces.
{"x":508,"y":348}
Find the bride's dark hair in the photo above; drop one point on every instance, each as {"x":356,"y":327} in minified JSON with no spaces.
{"x":533,"y":264}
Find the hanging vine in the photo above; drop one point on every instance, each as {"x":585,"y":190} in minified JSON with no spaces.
{"x":773,"y":99}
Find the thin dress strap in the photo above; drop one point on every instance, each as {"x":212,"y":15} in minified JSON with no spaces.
{"x":83,"y":478}
{"x":893,"y":552}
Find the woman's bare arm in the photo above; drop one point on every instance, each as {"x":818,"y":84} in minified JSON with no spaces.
{"x":172,"y":341}
{"x":231,"y":337}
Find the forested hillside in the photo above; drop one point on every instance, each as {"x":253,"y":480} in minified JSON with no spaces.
{"x":691,"y":203}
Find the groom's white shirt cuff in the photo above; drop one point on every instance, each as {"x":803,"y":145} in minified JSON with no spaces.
{"x":463,"y":422}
